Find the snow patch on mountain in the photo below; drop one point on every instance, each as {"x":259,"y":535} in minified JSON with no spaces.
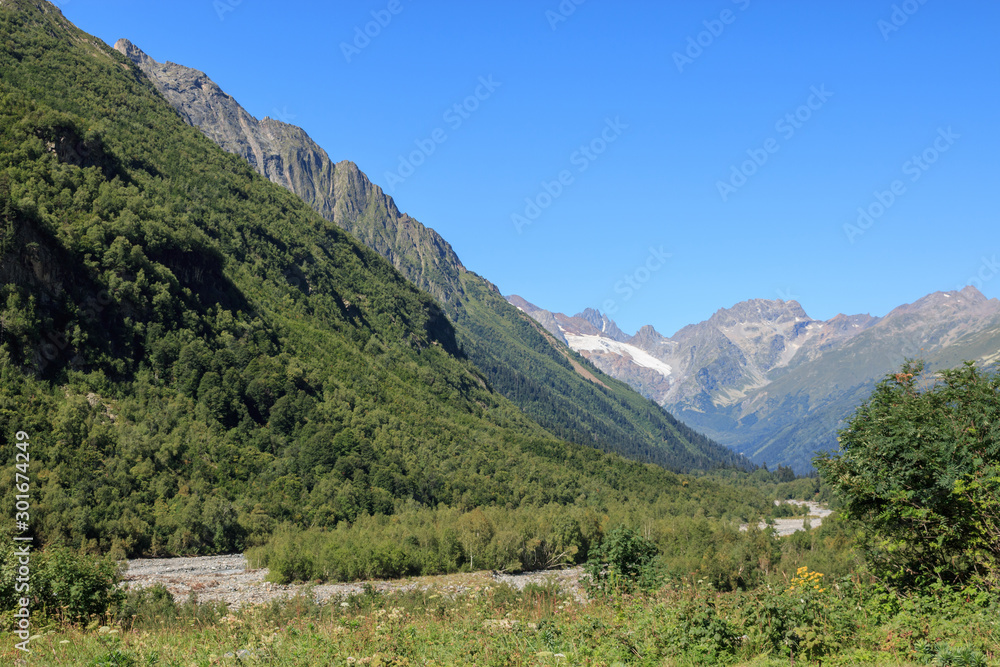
{"x":600,"y":344}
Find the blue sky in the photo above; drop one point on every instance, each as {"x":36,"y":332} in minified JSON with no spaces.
{"x":659,"y":160}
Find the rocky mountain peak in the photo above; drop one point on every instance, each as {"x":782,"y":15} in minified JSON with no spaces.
{"x":759,"y":311}
{"x":647,"y":337}
{"x":973,"y":294}
{"x":521,"y":303}
{"x":286,"y":155}
{"x":769,"y":380}
{"x":602,"y":323}
{"x":131,"y":51}
{"x":968,"y":302}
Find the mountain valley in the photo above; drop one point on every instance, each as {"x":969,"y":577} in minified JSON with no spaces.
{"x":567,"y":396}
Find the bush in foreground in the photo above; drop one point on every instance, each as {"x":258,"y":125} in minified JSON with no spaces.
{"x":919,"y":471}
{"x":63,"y":584}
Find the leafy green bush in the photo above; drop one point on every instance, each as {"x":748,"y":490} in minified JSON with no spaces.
{"x":115,"y":655}
{"x":696,"y":629}
{"x":152,"y":605}
{"x":622,"y":562}
{"x":919,"y":471}
{"x":770,"y":619}
{"x":76,"y":586}
{"x":63,"y":584}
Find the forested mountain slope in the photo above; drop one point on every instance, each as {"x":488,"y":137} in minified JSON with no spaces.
{"x":516,"y":357}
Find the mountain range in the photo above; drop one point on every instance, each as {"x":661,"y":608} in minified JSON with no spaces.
{"x":768,"y":380}
{"x":562,"y":392}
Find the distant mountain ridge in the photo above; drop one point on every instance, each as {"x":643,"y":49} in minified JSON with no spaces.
{"x":765,"y":378}
{"x":561,"y":392}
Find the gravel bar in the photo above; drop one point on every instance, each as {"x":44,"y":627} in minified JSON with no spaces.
{"x":226,"y":579}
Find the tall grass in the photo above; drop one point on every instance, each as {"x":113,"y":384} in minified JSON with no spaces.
{"x":845,"y":621}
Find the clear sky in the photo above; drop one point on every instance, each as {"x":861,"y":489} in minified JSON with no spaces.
{"x":705,"y":151}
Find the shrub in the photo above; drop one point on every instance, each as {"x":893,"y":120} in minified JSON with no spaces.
{"x":146,"y":606}
{"x":63,"y":583}
{"x":700,"y":632}
{"x":919,"y":470}
{"x":77,"y":586}
{"x":622,"y":562}
{"x":943,"y":654}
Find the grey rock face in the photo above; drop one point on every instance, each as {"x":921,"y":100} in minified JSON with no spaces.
{"x":286,"y":155}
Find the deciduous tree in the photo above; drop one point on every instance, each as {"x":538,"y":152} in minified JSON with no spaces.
{"x":919,"y":469}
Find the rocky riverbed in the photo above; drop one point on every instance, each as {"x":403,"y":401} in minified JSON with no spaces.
{"x":816,"y":513}
{"x":227,"y":579}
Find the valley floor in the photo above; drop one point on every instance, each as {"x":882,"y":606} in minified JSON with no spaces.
{"x":227,"y":579}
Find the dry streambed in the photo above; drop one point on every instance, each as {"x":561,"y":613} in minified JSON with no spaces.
{"x":227,"y":579}
{"x":817,"y":512}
